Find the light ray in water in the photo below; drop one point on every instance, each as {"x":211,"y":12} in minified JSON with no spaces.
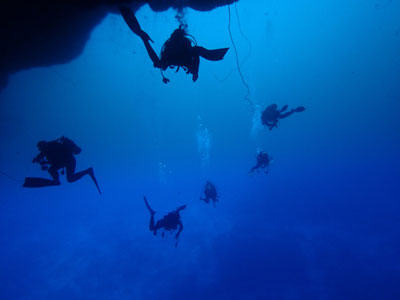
{"x":203,"y":142}
{"x":256,"y":125}
{"x":163,"y":173}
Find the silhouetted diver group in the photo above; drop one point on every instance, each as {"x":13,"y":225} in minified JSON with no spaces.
{"x":180,"y":50}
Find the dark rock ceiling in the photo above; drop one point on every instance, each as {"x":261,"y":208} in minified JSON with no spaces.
{"x":45,"y":32}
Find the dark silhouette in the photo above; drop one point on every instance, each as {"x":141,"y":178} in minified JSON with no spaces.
{"x":44,"y":33}
{"x":210,"y":193}
{"x":58,"y":154}
{"x":271,"y":115}
{"x":180,"y":50}
{"x":169,"y":222}
{"x":263,"y":161}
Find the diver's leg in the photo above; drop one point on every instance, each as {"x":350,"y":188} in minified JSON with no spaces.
{"x":287,"y":114}
{"x":70,"y":169}
{"x":72,"y":176}
{"x":91,"y":174}
{"x":155,"y":227}
{"x":152,"y":213}
{"x":130,"y":20}
{"x":43,"y":182}
{"x":152,"y":54}
{"x":284,"y":108}
{"x":133,"y":24}
{"x":53,"y":171}
{"x":151,"y":225}
{"x":298,"y":109}
{"x":180,"y":225}
{"x":36,"y":182}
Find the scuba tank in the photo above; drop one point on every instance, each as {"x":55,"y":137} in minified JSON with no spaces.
{"x":70,"y":145}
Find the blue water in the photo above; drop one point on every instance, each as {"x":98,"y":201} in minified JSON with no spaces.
{"x":322,"y":224}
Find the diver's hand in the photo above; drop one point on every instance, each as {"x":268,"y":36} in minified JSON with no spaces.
{"x":165,"y":80}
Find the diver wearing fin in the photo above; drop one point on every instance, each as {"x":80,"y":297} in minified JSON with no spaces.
{"x":210,"y":193}
{"x":59,"y":154}
{"x":169,"y":222}
{"x":271,"y":115}
{"x":180,"y":50}
{"x":263,"y":161}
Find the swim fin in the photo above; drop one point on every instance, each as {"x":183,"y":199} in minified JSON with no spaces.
{"x":91,"y":174}
{"x":36,"y":182}
{"x":214,"y":55}
{"x":300,"y":109}
{"x":152,"y":212}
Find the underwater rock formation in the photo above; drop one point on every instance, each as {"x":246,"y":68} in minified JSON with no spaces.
{"x":45,"y":32}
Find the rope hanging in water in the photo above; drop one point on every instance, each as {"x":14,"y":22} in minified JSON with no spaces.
{"x":10,"y":177}
{"x":243,"y":35}
{"x":237,"y":60}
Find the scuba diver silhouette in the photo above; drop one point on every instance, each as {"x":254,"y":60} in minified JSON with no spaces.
{"x":180,"y":50}
{"x":271,"y":115}
{"x":169,"y":222}
{"x":263,"y":161}
{"x":210,"y":193}
{"x":59,"y":154}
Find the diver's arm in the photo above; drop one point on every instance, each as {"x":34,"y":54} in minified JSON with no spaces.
{"x":178,"y":233}
{"x":39,"y":158}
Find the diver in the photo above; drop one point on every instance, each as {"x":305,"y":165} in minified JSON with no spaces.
{"x":210,"y":193}
{"x":180,"y":50}
{"x":169,"y":222}
{"x":271,"y":115}
{"x":263,"y":161}
{"x":56,"y":155}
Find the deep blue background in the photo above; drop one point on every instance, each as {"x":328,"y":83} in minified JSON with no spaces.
{"x":323,"y":224}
